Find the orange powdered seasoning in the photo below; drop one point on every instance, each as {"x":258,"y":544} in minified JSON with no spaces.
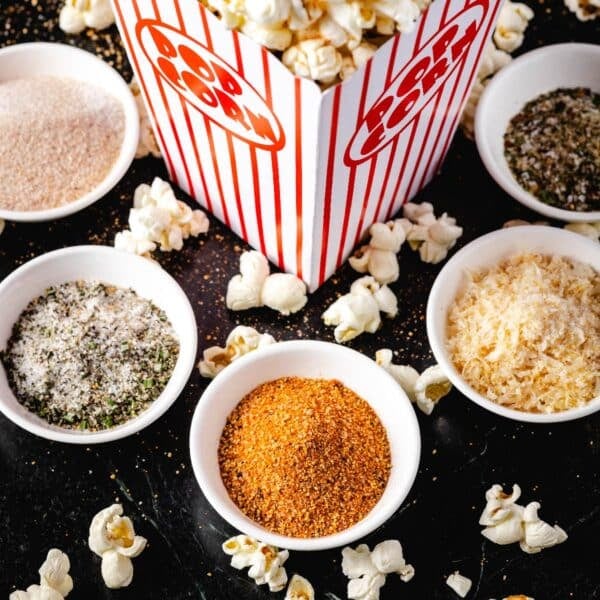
{"x":304,"y":457}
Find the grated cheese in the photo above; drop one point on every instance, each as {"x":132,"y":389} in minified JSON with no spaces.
{"x":526,"y":333}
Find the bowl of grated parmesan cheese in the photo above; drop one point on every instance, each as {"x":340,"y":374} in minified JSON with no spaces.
{"x":513,"y":319}
{"x":95,"y":344}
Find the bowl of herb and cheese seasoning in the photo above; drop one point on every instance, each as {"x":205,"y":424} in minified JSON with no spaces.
{"x":537,"y":129}
{"x":306,"y":445}
{"x":95,"y":344}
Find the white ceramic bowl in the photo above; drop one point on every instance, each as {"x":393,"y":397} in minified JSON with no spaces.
{"x":43,"y":58}
{"x":306,"y":359}
{"x":105,"y":264}
{"x":485,"y":252}
{"x":532,"y":74}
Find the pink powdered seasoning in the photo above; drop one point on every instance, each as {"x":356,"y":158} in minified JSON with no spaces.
{"x":59,"y":138}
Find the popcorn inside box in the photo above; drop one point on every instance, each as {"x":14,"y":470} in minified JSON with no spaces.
{"x":298,"y":171}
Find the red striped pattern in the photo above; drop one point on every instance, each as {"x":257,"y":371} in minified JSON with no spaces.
{"x":275,"y":199}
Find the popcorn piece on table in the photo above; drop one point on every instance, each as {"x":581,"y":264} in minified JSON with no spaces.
{"x":76,"y":15}
{"x":378,"y":257}
{"x":113,"y":538}
{"x":538,"y":533}
{"x":240,"y":341}
{"x":459,"y":583}
{"x":2,"y":225}
{"x":519,"y":222}
{"x":492,"y":61}
{"x":147,"y":142}
{"x":432,"y":237}
{"x":426,"y":390}
{"x":255,"y":287}
{"x":590,"y":230}
{"x":367,"y":570}
{"x":358,"y":311}
{"x":431,"y":386}
{"x":512,"y":22}
{"x":299,"y":588}
{"x":507,"y":522}
{"x":244,"y":290}
{"x":405,"y":375}
{"x":585,"y":10}
{"x":55,"y":581}
{"x":265,"y":562}
{"x":159,"y":219}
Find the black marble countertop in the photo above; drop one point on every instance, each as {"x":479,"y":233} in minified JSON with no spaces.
{"x":50,"y":491}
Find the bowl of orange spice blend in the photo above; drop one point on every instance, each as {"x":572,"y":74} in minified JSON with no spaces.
{"x":305,"y":445}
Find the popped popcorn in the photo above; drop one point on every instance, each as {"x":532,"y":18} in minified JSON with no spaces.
{"x":147,"y":142}
{"x":76,"y":15}
{"x":2,"y":225}
{"x":240,"y":341}
{"x":538,"y":533}
{"x":459,"y":583}
{"x":378,"y":257}
{"x":158,"y":219}
{"x":55,"y":581}
{"x":313,"y":58}
{"x":113,"y":538}
{"x":511,"y":25}
{"x":512,"y":22}
{"x":352,"y":315}
{"x":299,"y":588}
{"x":431,"y":386}
{"x":585,"y":10}
{"x":284,"y":293}
{"x":432,"y":237}
{"x":254,"y":287}
{"x":265,"y":562}
{"x":589,"y":230}
{"x":405,"y":375}
{"x":324,"y":40}
{"x":367,"y":570}
{"x":424,"y":390}
{"x":359,"y":310}
{"x":519,"y":222}
{"x":507,"y":522}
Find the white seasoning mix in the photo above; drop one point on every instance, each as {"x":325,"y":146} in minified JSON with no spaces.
{"x":90,"y":356}
{"x":59,"y":138}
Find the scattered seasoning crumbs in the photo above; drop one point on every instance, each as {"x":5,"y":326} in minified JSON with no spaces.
{"x":553,"y":148}
{"x":304,"y":457}
{"x":89,"y":356}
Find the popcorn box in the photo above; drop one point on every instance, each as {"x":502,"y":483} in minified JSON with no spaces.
{"x":298,"y":172}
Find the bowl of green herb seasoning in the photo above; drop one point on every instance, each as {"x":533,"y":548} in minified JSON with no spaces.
{"x":537,"y":129}
{"x":95,"y":344}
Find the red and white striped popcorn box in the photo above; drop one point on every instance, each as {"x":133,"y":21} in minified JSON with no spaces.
{"x":298,"y":172}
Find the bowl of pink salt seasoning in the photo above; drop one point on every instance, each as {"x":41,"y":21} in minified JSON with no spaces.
{"x":68,"y":130}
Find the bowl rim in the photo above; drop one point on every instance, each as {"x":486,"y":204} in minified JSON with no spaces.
{"x":129,"y":143}
{"x":364,"y":527}
{"x":159,"y":406}
{"x":501,"y":175}
{"x":437,"y":344}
